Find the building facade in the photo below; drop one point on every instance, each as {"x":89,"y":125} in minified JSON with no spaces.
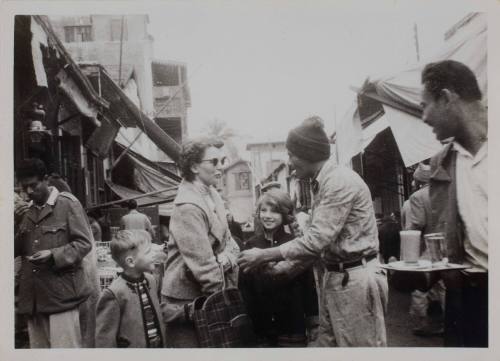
{"x":237,"y":191}
{"x":265,"y":157}
{"x":171,"y":97}
{"x":122,"y":45}
{"x":69,"y":115}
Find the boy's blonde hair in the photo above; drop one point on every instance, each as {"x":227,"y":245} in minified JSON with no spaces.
{"x":127,"y":242}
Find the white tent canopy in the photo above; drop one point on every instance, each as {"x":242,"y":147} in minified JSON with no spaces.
{"x":395,"y":99}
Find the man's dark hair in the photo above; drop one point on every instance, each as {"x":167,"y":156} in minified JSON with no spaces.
{"x":451,"y":75}
{"x":132,"y":204}
{"x":32,"y":167}
{"x":192,"y":152}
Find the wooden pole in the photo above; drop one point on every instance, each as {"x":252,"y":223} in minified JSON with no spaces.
{"x":134,"y":197}
{"x":121,"y":53}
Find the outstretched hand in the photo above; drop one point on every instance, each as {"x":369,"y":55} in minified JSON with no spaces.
{"x":250,"y":260}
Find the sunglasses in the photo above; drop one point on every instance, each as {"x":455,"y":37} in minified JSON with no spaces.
{"x":215,"y":161}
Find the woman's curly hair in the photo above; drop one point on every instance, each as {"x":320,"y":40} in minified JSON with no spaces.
{"x":192,"y":152}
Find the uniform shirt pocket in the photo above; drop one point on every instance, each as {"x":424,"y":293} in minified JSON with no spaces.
{"x":54,"y":235}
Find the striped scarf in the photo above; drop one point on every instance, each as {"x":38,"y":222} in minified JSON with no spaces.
{"x":150,"y":320}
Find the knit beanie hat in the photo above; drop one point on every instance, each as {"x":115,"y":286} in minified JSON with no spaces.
{"x":309,"y":141}
{"x":423,"y":173}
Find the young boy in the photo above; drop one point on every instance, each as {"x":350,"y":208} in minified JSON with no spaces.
{"x":128,"y":311}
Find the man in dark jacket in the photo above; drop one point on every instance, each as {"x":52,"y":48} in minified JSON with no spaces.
{"x":452,"y":106}
{"x":52,"y":239}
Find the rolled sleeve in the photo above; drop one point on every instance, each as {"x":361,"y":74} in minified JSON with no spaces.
{"x":80,"y":239}
{"x":329,"y":216}
{"x":189,"y":229}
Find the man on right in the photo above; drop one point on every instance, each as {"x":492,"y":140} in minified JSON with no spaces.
{"x":452,"y":106}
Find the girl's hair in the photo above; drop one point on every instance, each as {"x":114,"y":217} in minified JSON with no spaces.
{"x":280,"y":202}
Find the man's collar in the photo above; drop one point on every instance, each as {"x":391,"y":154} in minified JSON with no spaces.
{"x":318,"y":172}
{"x":460,"y":149}
{"x":316,"y":180}
{"x":51,"y":200}
{"x":54,"y":193}
{"x":481,"y":153}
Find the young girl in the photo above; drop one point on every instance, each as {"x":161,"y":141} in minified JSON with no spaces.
{"x":278,"y":307}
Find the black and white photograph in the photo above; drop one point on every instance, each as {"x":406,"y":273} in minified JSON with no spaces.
{"x":303,"y":179}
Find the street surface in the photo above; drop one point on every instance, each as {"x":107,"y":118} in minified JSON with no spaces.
{"x":399,"y":324}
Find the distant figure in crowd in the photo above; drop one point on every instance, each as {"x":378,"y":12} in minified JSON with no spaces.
{"x":201,"y":250}
{"x":135,"y":219}
{"x":343,"y":237}
{"x":279,"y":306}
{"x":95,"y":226}
{"x":419,"y":217}
{"x":53,"y":238}
{"x":406,"y":207}
{"x":128,"y":312}
{"x":452,"y":106}
{"x":388,"y":234}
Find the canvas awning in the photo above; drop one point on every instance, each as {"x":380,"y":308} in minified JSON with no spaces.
{"x":404,"y":88}
{"x":75,"y":95}
{"x":153,"y":184}
{"x":148,"y":176}
{"x":415,"y":139}
{"x":395,"y":100}
{"x":141,"y":198}
{"x":153,"y":131}
{"x":38,"y":38}
{"x":371,"y":131}
{"x":42,"y":24}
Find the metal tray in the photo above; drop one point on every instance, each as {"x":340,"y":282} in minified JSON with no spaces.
{"x":422,"y":266}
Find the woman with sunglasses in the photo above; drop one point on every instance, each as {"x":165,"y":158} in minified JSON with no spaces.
{"x":200,"y":248}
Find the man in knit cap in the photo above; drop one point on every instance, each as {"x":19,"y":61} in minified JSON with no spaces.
{"x":342,"y":237}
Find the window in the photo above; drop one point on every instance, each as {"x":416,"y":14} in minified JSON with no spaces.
{"x":116,"y":29}
{"x":78,"y":34}
{"x":242,"y":181}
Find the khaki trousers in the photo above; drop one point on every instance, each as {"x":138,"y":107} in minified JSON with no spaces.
{"x":58,"y":330}
{"x":354,"y":315}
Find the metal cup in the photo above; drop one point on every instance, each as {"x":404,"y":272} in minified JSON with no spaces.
{"x":436,"y":247}
{"x":410,"y":246}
